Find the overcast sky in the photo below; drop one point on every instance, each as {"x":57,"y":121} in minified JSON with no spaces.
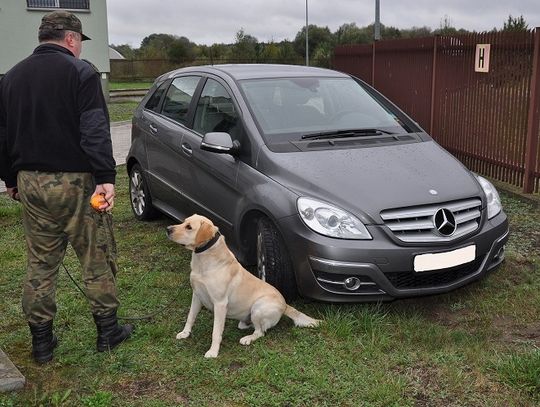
{"x":217,"y":21}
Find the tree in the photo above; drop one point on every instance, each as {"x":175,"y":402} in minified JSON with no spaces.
{"x":156,"y":46}
{"x":350,"y":33}
{"x":181,"y":49}
{"x":287,"y":54}
{"x":416,"y":32}
{"x":515,"y":24}
{"x":245,"y":47}
{"x":446,"y":27}
{"x":318,"y":37}
{"x":270,"y":52}
{"x":389,"y":32}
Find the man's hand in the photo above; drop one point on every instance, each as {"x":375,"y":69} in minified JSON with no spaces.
{"x":13,"y":193}
{"x":108,"y":190}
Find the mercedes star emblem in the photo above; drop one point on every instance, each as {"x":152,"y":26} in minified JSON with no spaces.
{"x":445,"y":222}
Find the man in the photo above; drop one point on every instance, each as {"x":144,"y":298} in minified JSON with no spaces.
{"x":55,"y":154}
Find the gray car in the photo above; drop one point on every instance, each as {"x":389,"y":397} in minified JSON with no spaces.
{"x":317,"y":179}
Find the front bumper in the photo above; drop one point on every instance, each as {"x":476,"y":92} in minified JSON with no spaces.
{"x":382,"y":269}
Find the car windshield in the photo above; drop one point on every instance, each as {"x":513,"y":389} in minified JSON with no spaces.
{"x":289,"y":108}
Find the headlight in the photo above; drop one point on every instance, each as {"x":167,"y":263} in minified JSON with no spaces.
{"x":494,"y":205}
{"x":329,"y":220}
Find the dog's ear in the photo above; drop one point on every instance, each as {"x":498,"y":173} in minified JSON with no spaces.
{"x":205,"y":233}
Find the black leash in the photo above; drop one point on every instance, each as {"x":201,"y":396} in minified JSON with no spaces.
{"x":137,"y":318}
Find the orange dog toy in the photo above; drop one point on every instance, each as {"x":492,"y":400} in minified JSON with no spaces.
{"x":97,"y":200}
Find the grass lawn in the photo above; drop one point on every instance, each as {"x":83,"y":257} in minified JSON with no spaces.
{"x":119,"y":111}
{"x":129,"y":85}
{"x":477,"y":346}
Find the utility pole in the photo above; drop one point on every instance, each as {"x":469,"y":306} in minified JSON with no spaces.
{"x":377,"y":34}
{"x":307,"y":35}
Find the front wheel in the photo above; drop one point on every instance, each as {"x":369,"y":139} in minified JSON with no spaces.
{"x":273,"y":262}
{"x":140,"y":199}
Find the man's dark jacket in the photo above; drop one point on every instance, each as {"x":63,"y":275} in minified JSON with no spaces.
{"x":53,"y":117}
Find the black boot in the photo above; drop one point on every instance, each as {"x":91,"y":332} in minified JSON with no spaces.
{"x":110,"y":333}
{"x":43,"y":341}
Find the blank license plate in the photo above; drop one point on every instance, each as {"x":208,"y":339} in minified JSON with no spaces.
{"x":436,"y":261}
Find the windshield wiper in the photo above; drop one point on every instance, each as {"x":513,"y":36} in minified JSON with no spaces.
{"x":345,"y":133}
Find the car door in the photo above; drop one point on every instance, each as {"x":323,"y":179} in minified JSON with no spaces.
{"x":213,"y":177}
{"x":167,"y":128}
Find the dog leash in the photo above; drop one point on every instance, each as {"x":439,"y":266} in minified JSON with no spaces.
{"x":125,"y":318}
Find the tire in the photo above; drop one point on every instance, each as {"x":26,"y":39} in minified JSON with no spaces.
{"x":140,"y":199}
{"x":273,"y":262}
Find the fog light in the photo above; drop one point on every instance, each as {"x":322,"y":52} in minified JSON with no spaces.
{"x":352,"y":283}
{"x":500,"y":253}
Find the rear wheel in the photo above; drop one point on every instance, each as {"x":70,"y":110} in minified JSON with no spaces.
{"x":140,"y":199}
{"x":273,"y":262}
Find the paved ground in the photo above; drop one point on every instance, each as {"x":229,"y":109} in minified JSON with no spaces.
{"x":121,"y":138}
{"x":10,"y":377}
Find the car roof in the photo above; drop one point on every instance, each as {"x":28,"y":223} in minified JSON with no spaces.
{"x":258,"y":71}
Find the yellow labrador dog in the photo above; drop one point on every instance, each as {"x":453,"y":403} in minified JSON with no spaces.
{"x":223,"y":286}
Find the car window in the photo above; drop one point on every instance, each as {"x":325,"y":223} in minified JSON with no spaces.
{"x":178,"y":98}
{"x":216,"y":111}
{"x":153,"y":102}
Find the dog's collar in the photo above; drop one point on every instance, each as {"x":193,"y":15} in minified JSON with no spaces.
{"x":208,"y":244}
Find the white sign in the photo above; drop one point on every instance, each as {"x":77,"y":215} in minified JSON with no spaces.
{"x":481,"y":59}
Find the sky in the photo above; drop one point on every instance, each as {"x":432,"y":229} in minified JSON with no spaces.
{"x":218,"y":21}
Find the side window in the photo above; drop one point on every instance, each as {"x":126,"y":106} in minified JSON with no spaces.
{"x":153,"y":102}
{"x":178,"y":98}
{"x":216,"y":112}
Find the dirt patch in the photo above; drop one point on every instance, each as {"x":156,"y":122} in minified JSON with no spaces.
{"x":425,"y":383}
{"x":450,"y":318}
{"x":512,"y":332}
{"x":234,"y":366}
{"x":148,"y":387}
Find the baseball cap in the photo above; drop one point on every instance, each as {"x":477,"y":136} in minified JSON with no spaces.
{"x":62,"y":20}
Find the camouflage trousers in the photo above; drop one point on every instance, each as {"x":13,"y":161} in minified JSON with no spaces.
{"x":56,"y":210}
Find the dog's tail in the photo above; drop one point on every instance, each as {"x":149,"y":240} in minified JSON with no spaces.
{"x":300,"y":319}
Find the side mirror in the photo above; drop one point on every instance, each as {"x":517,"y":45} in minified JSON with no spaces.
{"x":220,"y":143}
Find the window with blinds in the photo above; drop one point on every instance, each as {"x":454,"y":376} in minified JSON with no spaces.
{"x":62,"y":4}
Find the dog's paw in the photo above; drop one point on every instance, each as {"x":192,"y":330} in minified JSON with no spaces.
{"x":211,"y":354}
{"x":182,"y":335}
{"x":246,"y":340}
{"x":315,"y":323}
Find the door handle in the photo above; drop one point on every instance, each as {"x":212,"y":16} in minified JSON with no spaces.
{"x":186,"y":148}
{"x":153,"y":128}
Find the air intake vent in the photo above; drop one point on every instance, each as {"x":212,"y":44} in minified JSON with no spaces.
{"x":362,"y":141}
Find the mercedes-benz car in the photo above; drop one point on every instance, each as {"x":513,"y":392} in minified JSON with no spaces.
{"x":321,"y":185}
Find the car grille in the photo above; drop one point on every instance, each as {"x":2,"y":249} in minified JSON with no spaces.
{"x":416,"y":224}
{"x":404,"y":280}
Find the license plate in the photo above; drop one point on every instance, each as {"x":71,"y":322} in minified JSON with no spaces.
{"x":436,"y":261}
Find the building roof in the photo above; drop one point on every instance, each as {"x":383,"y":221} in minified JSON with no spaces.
{"x":114,"y":54}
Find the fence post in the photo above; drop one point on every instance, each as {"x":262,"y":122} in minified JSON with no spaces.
{"x":531,"y":149}
{"x":433,"y":77}
{"x":373,"y":64}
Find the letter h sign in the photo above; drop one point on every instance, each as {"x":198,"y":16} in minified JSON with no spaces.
{"x":481,"y":60}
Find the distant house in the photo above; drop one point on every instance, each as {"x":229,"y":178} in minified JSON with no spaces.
{"x":20,"y":19}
